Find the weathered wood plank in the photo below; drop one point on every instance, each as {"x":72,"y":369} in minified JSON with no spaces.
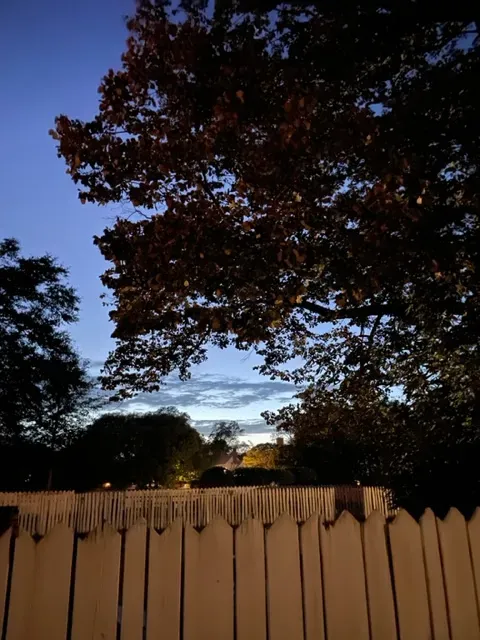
{"x":95,"y":607}
{"x":344,"y":580}
{"x":164,"y":583}
{"x":379,"y":582}
{"x":410,"y":579}
{"x":435,"y":583}
{"x":312,"y":579}
{"x":21,"y":594}
{"x":250,"y":581}
{"x":284,"y":605}
{"x":53,"y":565}
{"x":134,"y":582}
{"x":4,"y":569}
{"x":459,"y":583}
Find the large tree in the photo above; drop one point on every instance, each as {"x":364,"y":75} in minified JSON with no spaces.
{"x":43,"y":381}
{"x":45,"y":389}
{"x":300,"y":177}
{"x":142,"y":449}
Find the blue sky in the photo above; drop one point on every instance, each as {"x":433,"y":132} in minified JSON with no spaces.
{"x":53,"y":54}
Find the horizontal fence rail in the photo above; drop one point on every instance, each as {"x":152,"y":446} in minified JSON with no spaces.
{"x":378,"y":579}
{"x":39,"y":512}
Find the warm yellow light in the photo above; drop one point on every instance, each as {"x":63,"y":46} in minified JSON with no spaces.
{"x":107,"y":485}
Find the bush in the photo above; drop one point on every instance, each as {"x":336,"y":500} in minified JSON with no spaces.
{"x":304,"y":476}
{"x":282,"y":477}
{"x":216,"y":477}
{"x":252,"y":476}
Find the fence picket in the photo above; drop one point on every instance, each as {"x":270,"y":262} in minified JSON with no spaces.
{"x":96,"y":586}
{"x":379,"y":582}
{"x":216,"y":581}
{"x":409,"y":577}
{"x":21,"y":594}
{"x":284,"y":605}
{"x":4,"y":568}
{"x":312,"y":579}
{"x":435,"y":582}
{"x":344,"y":580}
{"x":474,"y":538}
{"x":459,"y":583}
{"x":164,"y":583}
{"x":134,"y":582}
{"x":53,"y":562}
{"x":250,"y":581}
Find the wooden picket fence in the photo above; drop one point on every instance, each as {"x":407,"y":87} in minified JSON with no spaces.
{"x":40,"y":512}
{"x":373,"y":580}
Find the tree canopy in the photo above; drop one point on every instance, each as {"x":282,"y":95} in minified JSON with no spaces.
{"x":302,"y":179}
{"x":147,"y":450}
{"x":265,"y":455}
{"x":291,"y":165}
{"x":43,"y":381}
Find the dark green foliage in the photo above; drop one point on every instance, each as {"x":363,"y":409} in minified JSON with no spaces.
{"x":304,"y":476}
{"x":26,"y":465}
{"x":425,"y":452}
{"x":45,"y":390}
{"x":216,"y":477}
{"x":145,"y":450}
{"x":43,"y":382}
{"x":282,"y":477}
{"x":252,"y":477}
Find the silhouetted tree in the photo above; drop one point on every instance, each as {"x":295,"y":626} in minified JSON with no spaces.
{"x":45,"y":389}
{"x":141,"y":449}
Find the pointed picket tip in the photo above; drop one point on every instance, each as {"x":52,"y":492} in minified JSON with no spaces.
{"x":59,"y":530}
{"x":101,"y":532}
{"x":346,"y":519}
{"x":403,"y":519}
{"x":453,"y":515}
{"x":24,"y":534}
{"x":176,"y":525}
{"x":6,"y":534}
{"x":189,"y":530}
{"x":249,"y":524}
{"x":107,"y":530}
{"x":312,"y":521}
{"x":284,"y":520}
{"x":427,"y":516}
{"x":375,"y":519}
{"x":216,"y":524}
{"x":475,"y":519}
{"x":138,"y":524}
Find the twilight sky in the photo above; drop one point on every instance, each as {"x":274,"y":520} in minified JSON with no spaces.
{"x":53,"y":54}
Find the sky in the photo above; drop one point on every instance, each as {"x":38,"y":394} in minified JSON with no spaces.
{"x":53,"y":54}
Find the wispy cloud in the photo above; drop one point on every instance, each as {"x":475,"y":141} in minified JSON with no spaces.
{"x":209,"y":398}
{"x":213,"y":391}
{"x":250,"y":427}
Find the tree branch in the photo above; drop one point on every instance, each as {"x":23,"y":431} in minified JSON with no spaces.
{"x":375,"y":309}
{"x":353,"y":312}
